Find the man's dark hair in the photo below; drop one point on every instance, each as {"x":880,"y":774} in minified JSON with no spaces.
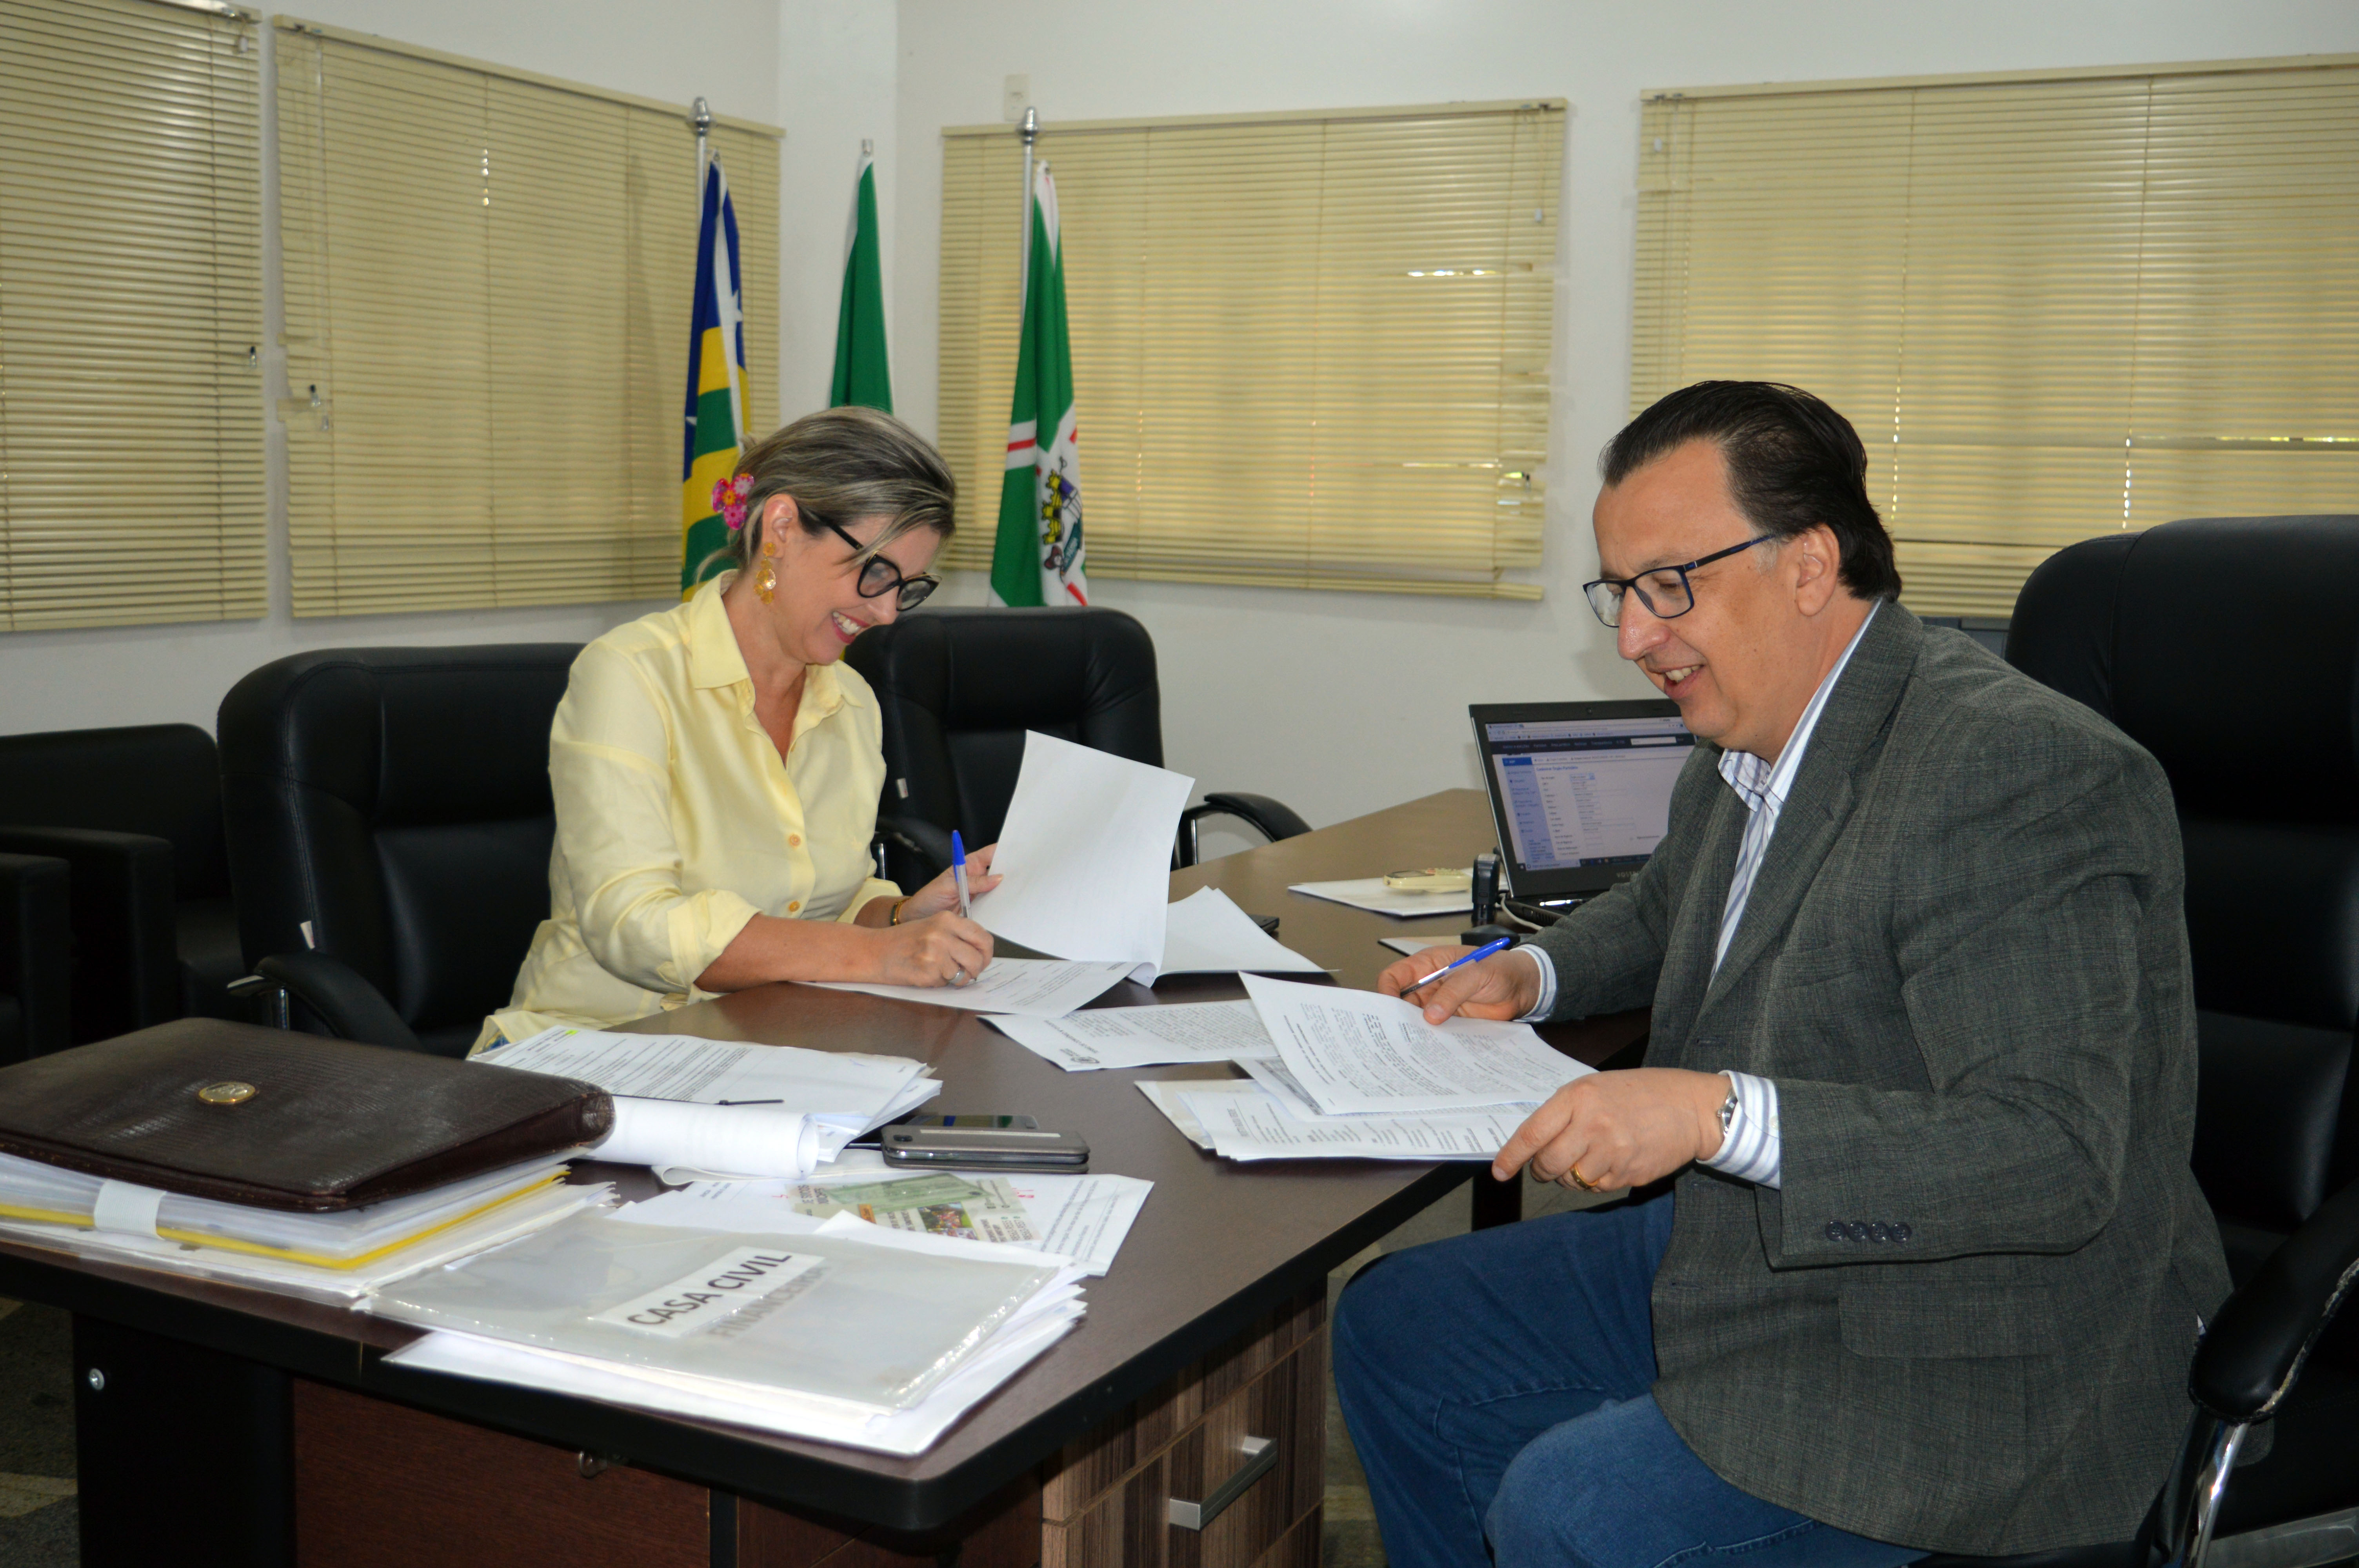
{"x":1793,"y":462}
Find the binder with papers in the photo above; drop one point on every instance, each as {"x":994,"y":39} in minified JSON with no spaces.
{"x":1035,"y":1326}
{"x":834,"y":1316}
{"x":341,"y":1239}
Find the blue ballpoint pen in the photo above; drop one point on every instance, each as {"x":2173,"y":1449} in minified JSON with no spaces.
{"x":1478,"y":954}
{"x":958,"y":868}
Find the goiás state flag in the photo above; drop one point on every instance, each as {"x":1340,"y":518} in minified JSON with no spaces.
{"x":716,"y":385}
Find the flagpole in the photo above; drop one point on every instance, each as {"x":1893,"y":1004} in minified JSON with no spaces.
{"x":1024,"y":260}
{"x":700,"y":118}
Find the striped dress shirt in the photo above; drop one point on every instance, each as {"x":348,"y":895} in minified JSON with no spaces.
{"x":1753,"y":1149}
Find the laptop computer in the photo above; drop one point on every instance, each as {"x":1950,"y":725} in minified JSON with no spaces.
{"x":1581,"y":792}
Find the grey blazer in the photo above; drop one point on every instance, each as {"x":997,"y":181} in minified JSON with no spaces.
{"x":1964,"y":1323}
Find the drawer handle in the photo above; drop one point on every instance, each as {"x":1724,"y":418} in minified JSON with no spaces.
{"x":1261,"y":1458}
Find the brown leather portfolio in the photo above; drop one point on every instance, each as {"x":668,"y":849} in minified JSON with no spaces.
{"x":283,"y":1120}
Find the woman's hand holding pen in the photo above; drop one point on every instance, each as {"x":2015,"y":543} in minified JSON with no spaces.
{"x":933,"y":943}
{"x":945,"y":949}
{"x":941,"y":894}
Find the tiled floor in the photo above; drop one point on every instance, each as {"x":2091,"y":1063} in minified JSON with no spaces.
{"x":39,"y":1527}
{"x":1350,"y":1538}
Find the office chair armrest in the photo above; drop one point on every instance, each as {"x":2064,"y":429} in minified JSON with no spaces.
{"x":2255,"y":1347}
{"x":1270,"y":819}
{"x":36,"y":949}
{"x":121,"y":909}
{"x":923,"y":848}
{"x":335,"y":998}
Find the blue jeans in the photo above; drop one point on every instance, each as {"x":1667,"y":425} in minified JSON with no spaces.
{"x":1497,"y":1385}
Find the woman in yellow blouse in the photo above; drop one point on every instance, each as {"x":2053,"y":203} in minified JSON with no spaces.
{"x":716,"y":767}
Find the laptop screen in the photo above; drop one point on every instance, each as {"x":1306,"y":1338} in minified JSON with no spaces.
{"x":1591,"y":790}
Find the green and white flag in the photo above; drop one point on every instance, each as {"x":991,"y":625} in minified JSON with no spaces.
{"x":1038,"y":558}
{"x":864,"y":376}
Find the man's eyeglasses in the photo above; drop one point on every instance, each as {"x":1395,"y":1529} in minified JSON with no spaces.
{"x":1665,"y":591}
{"x":879,"y":576}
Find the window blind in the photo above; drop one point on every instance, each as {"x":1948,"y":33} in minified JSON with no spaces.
{"x":131,"y":460}
{"x":2052,"y":306}
{"x":1309,"y":350}
{"x":488,"y":280}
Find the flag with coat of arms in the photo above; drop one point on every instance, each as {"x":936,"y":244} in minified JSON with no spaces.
{"x":1037,"y":556}
{"x":716,"y":385}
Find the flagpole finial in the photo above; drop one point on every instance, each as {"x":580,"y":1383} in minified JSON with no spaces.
{"x":1031,"y":126}
{"x":700,"y":119}
{"x":867,"y":148}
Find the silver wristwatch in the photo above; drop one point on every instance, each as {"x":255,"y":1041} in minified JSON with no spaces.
{"x":1728,"y":1110}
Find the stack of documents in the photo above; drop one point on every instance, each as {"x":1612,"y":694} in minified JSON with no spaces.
{"x":340,"y":1256}
{"x":1084,"y":856}
{"x":1084,"y":859}
{"x":691,"y":1108}
{"x":1021,"y":988}
{"x":1354,"y":1075}
{"x":1204,"y":934}
{"x":845,"y":1333}
{"x":1145,"y":1036}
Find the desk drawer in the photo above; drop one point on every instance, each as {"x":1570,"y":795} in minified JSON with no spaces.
{"x":1127,"y":1524}
{"x":380,"y":1484}
{"x":1078,"y":1476}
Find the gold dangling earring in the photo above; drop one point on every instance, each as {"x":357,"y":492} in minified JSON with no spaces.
{"x":766,"y":580}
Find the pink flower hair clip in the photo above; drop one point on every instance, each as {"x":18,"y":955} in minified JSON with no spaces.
{"x":729,"y":500}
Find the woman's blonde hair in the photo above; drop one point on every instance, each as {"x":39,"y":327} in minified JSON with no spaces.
{"x":842,"y":466}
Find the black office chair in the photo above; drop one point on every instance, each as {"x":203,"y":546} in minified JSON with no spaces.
{"x":35,"y":953}
{"x":389,"y":831}
{"x":960,"y":687}
{"x":136,"y":812}
{"x":2229,"y":648}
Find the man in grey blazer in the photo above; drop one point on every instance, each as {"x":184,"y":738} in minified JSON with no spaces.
{"x":1931,"y":1264}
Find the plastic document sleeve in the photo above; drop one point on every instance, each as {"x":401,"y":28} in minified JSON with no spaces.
{"x":831,"y":1316}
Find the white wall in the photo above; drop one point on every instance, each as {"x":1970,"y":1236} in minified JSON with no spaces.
{"x":1344,"y":703}
{"x":726,"y":50}
{"x":835,"y":90}
{"x":1337,"y":703}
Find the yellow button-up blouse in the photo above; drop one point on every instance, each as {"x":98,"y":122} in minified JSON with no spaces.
{"x":677,"y":822}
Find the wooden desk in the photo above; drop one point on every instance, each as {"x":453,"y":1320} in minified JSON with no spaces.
{"x":1210,"y":1326}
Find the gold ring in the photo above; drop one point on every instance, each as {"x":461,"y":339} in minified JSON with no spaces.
{"x":1579,"y":1180}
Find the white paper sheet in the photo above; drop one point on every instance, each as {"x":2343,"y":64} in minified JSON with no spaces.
{"x":1085,"y":855}
{"x":1207,"y":933}
{"x":711,"y":1072}
{"x":1356,"y":1050}
{"x":1370,"y":893}
{"x":1022,"y":988}
{"x":1166,"y":1095}
{"x":1258,"y":1127}
{"x":1082,"y":1217}
{"x":1143,"y":1036}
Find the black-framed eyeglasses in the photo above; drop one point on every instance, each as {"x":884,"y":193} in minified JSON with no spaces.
{"x":879,"y":576}
{"x":1665,"y":591}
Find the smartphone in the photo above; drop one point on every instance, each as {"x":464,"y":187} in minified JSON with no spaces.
{"x":875,"y":1139}
{"x":973,"y":1146}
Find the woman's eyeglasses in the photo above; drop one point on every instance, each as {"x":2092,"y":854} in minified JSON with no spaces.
{"x":879,"y":576}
